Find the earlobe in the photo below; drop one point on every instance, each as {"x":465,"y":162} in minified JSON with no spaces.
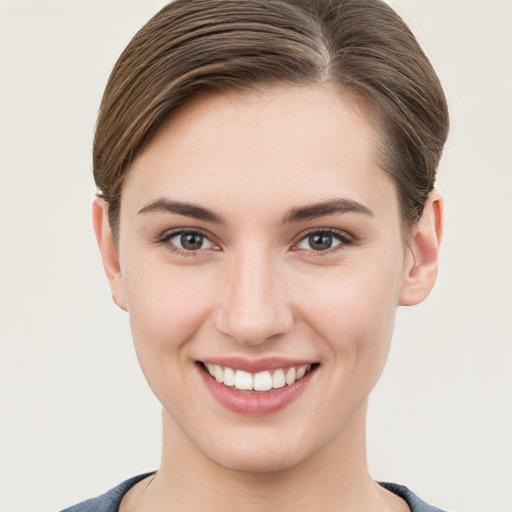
{"x":423,"y":254}
{"x":108,"y":250}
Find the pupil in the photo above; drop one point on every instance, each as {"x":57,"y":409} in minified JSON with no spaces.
{"x":191,"y":241}
{"x":320,"y":242}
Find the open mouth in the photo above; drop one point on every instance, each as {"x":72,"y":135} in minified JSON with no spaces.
{"x":270,"y":387}
{"x":259,"y":382}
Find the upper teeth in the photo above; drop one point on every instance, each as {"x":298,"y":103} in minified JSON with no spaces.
{"x":261,"y":381}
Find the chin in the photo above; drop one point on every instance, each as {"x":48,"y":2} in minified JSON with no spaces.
{"x":257,"y":456}
{"x":257,"y":463}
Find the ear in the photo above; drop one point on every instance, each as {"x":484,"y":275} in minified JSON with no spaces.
{"x":108,"y":251}
{"x":423,"y":253}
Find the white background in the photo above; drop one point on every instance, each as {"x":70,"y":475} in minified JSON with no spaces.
{"x":76,"y":416}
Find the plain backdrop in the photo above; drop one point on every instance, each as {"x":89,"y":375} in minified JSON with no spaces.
{"x":76,"y":416}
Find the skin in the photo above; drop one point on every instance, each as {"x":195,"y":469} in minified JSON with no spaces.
{"x":257,"y":288}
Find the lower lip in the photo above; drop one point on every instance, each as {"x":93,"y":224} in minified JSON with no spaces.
{"x":255,"y":403}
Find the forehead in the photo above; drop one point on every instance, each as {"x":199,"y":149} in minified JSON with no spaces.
{"x":290,"y":144}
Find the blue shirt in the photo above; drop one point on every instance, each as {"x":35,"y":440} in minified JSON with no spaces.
{"x":110,"y":501}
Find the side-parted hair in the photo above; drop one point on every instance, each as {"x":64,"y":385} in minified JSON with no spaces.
{"x":191,"y":47}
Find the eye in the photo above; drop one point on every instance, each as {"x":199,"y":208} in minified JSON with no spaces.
{"x":187,"y":241}
{"x":323,"y":240}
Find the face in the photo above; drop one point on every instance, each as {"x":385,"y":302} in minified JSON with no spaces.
{"x":259,"y":240}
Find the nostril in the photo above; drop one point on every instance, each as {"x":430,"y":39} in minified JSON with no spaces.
{"x":255,"y":328}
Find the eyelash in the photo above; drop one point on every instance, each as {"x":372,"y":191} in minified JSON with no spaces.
{"x":166,"y":238}
{"x":344,"y":239}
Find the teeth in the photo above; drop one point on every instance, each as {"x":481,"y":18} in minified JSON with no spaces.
{"x":218,"y":373}
{"x":291,"y":375}
{"x":261,"y":381}
{"x":243,"y":380}
{"x":278,"y":380}
{"x":229,"y":377}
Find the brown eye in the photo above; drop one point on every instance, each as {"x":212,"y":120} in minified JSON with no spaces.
{"x":191,"y":241}
{"x":320,"y":241}
{"x":323,"y":240}
{"x":188,"y":241}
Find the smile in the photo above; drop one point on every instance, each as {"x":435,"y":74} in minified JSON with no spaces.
{"x":261,"y":381}
{"x":256,"y":387}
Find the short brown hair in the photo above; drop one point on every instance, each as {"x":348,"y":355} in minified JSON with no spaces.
{"x":194,"y":46}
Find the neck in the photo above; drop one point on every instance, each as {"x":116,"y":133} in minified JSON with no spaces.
{"x":335,"y":477}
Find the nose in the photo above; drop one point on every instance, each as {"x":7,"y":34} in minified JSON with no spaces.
{"x":254,"y":304}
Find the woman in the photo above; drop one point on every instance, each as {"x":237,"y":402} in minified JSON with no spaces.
{"x":266,"y":201}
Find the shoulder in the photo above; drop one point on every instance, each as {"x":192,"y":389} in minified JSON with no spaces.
{"x":415,"y":504}
{"x":110,"y":501}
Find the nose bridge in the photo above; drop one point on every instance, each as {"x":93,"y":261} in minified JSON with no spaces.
{"x":255,"y":305}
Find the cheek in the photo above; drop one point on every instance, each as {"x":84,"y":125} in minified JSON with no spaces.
{"x":353,"y":309}
{"x":167,"y":308}
{"x":166,"y":304}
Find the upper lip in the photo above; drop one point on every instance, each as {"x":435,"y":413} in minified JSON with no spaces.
{"x":256,"y":365}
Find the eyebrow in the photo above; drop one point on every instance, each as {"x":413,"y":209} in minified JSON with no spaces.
{"x":181,"y":208}
{"x":330,"y":207}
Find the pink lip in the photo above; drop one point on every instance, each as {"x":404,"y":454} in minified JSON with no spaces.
{"x":256,"y":365}
{"x":255,"y":403}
